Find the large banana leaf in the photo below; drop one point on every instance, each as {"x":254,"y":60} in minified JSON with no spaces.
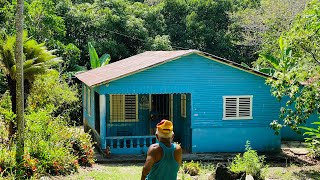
{"x":105,"y":59}
{"x":272,"y":60}
{"x":94,"y":59}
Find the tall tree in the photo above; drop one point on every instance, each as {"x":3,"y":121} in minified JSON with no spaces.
{"x":19,"y":78}
{"x":37,"y":60}
{"x":298,"y":78}
{"x":257,"y":25}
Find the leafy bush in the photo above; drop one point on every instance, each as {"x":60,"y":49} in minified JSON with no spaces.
{"x":52,"y":147}
{"x":313,"y":139}
{"x":6,"y":114}
{"x":7,"y":160}
{"x":82,"y":147}
{"x":250,"y":163}
{"x":47,"y":147}
{"x":191,"y":168}
{"x":49,"y":90}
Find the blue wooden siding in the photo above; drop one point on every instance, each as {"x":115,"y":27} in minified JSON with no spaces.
{"x":89,"y":117}
{"x":208,"y":81}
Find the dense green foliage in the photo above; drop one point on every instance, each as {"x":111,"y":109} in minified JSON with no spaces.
{"x":123,"y":28}
{"x":235,"y":29}
{"x":298,"y":72}
{"x":51,"y":146}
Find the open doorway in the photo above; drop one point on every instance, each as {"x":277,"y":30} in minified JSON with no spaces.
{"x":160,"y":104}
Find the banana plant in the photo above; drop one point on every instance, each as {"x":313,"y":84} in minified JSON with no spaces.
{"x":95,"y":61}
{"x":282,"y":64}
{"x":269,"y":71}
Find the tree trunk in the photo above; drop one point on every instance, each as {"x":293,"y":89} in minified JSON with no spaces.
{"x":12,"y":89}
{"x":20,"y":80}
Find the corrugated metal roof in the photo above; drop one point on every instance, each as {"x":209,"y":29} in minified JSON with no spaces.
{"x":129,"y":65}
{"x":141,"y":62}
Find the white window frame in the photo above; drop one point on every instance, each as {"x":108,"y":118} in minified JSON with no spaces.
{"x":183,"y":101}
{"x":237,"y":117}
{"x":123,"y":109}
{"x":89,"y":101}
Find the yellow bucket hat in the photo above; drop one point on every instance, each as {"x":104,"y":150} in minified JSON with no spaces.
{"x":165,"y":126}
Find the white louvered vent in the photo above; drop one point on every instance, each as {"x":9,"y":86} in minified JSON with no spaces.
{"x":237,"y":107}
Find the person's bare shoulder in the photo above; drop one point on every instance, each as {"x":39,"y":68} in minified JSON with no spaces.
{"x":156,"y":151}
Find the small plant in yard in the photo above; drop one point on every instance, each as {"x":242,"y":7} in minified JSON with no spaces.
{"x":249,"y":163}
{"x":313,"y":139}
{"x":191,"y":168}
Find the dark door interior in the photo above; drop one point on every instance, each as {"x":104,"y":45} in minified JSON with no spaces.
{"x":160,"y":103}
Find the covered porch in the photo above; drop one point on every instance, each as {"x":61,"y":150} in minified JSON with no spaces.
{"x":126,"y":122}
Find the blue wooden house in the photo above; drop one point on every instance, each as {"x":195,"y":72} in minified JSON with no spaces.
{"x":216,"y":105}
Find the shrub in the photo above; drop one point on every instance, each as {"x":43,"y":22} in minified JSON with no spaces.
{"x":51,"y":146}
{"x":82,"y":147}
{"x":191,"y":168}
{"x":313,"y":139}
{"x":7,"y":160}
{"x":6,"y":115}
{"x":250,"y":163}
{"x":47,"y":147}
{"x":48,"y":90}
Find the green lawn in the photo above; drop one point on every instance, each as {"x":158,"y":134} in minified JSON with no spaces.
{"x":112,"y":172}
{"x":133,"y":172}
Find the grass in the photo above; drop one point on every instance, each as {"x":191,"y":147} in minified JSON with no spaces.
{"x":294,"y":172}
{"x":102,"y":172}
{"x":133,"y":172}
{"x":126,"y":172}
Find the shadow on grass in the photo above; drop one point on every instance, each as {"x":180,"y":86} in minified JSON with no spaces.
{"x":308,"y":174}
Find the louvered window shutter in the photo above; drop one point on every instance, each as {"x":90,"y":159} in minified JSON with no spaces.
{"x":244,"y":107}
{"x":237,"y":107}
{"x":231,"y":107}
{"x":130,"y":107}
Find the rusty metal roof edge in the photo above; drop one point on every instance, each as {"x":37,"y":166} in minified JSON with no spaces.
{"x":232,"y":63}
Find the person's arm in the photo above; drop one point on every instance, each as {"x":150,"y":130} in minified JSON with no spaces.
{"x":178,"y":154}
{"x":149,"y":162}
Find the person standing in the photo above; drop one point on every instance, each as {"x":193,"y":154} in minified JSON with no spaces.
{"x":163,"y":158}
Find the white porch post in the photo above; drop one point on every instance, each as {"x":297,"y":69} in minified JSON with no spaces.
{"x":103,"y":119}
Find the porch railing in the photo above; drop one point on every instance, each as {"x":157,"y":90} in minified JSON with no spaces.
{"x":129,"y":144}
